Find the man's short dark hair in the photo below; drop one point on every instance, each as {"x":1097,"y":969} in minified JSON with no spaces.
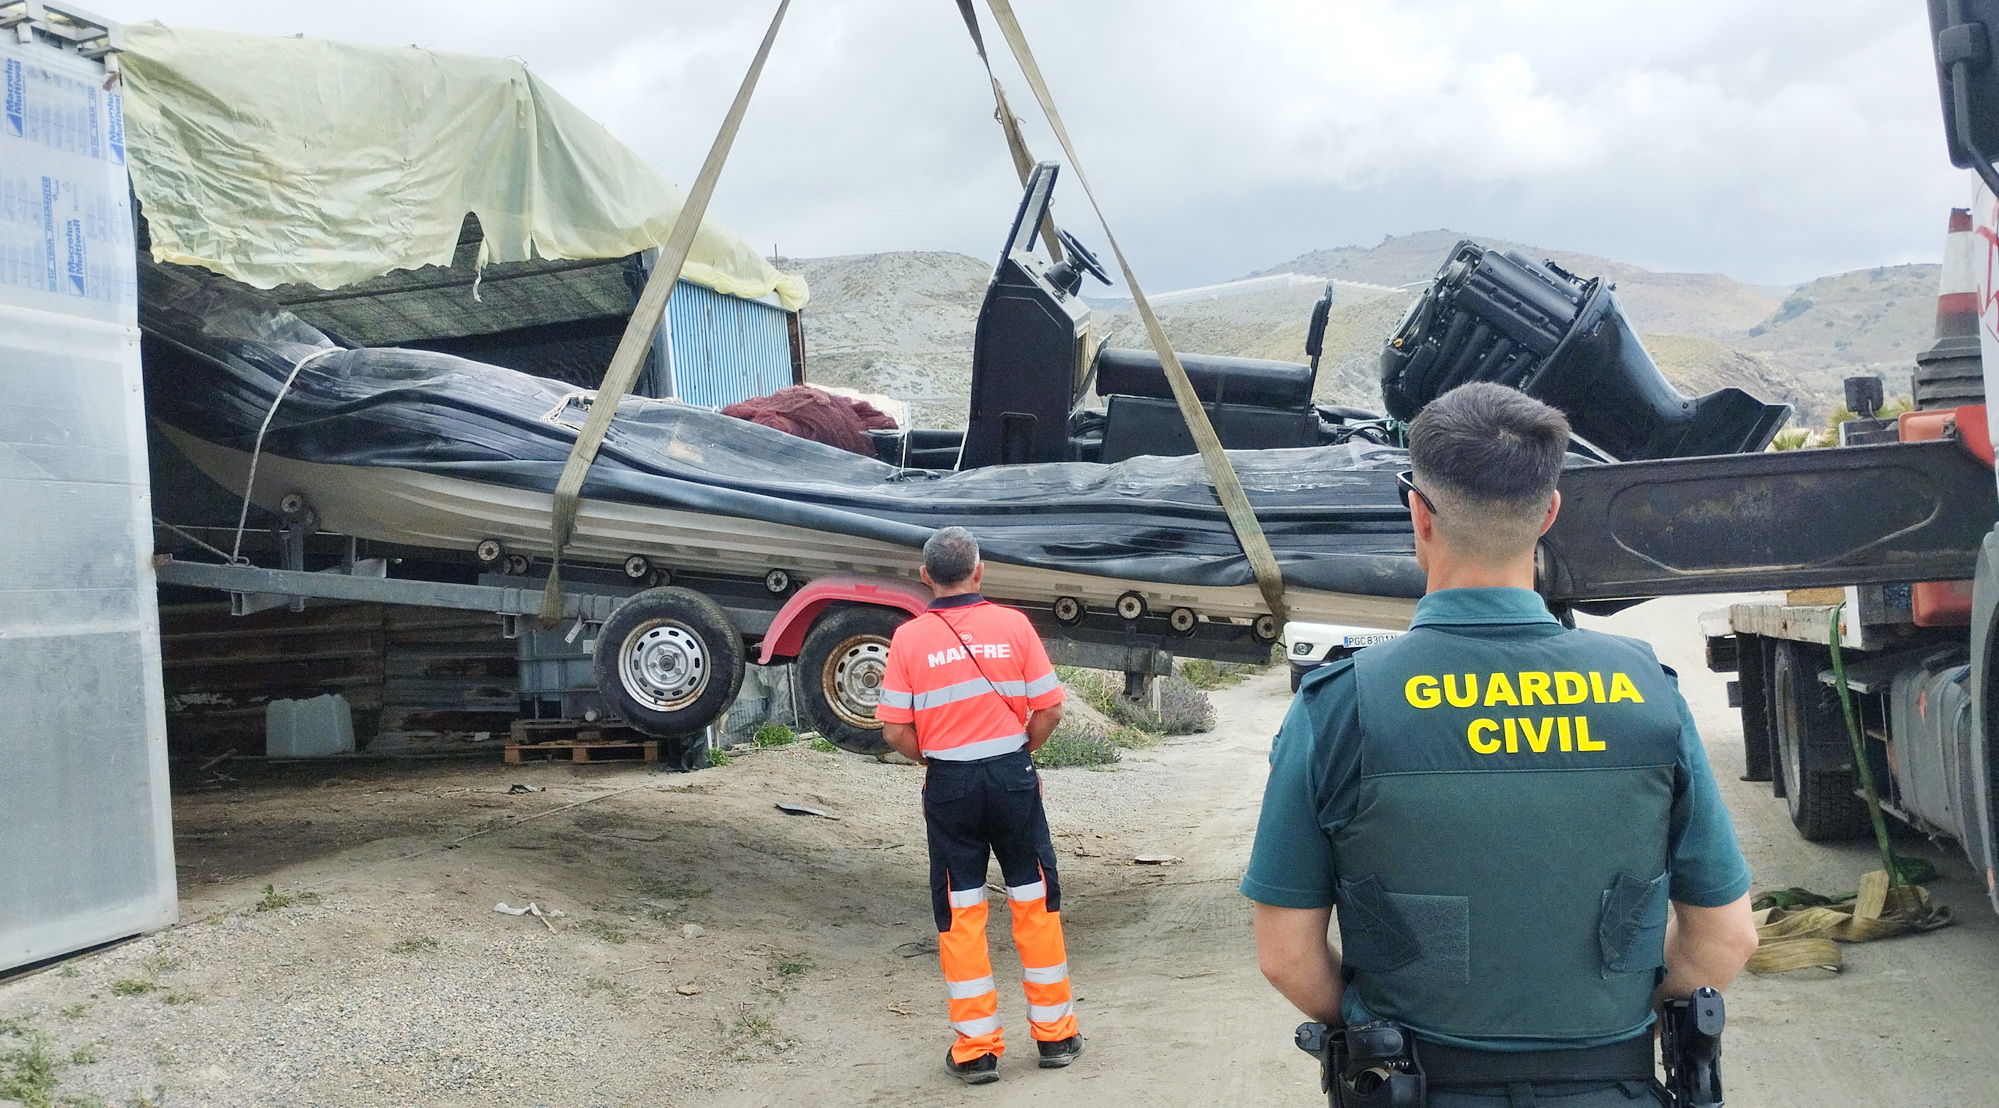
{"x":1490,"y":456}
{"x":951,"y":555}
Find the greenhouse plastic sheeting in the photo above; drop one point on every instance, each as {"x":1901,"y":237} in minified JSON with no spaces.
{"x":218,"y":356}
{"x":87,"y":855}
{"x":281,"y":160}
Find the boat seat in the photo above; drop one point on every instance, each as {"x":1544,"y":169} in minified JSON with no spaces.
{"x":1251,"y":382}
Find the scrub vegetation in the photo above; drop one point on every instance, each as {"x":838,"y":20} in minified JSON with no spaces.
{"x":1184,"y":708}
{"x":1077,"y":744}
{"x":275,"y":901}
{"x":31,"y":1072}
{"x":1208,"y":676}
{"x":773,"y":733}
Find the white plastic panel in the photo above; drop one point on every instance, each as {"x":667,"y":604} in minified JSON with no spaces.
{"x":86,"y":848}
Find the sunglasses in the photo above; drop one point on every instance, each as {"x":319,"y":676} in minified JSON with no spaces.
{"x":1404,"y":485}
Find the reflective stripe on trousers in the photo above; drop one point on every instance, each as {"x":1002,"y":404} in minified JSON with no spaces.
{"x":968,"y":971}
{"x":972,"y":812}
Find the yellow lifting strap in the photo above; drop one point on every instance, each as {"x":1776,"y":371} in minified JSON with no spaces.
{"x":643,"y":325}
{"x":1242,"y":517}
{"x":1016,"y":143}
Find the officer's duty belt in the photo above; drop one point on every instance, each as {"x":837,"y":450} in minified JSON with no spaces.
{"x":1450,"y":1067}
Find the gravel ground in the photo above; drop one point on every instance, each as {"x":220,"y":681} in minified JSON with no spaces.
{"x":713,"y":951}
{"x":339,"y":942}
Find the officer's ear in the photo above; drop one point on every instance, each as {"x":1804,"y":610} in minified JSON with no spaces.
{"x":1554,"y":509}
{"x":978,"y":574}
{"x":924,"y":573}
{"x":1420,"y":519}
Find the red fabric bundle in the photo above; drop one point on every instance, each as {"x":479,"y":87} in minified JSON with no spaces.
{"x":813,"y":414}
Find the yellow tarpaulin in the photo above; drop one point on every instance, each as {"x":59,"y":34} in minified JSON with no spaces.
{"x":281,"y":160}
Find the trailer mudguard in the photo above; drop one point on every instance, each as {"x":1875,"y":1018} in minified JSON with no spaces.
{"x":787,"y":631}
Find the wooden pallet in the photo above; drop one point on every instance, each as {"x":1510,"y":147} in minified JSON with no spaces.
{"x":579,"y":742}
{"x":581,"y":752}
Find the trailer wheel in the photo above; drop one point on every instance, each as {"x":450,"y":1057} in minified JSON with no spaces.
{"x":669,"y":662}
{"x":1807,"y":719}
{"x":841,"y":667}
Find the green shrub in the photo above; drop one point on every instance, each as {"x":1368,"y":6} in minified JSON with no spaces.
{"x":1204,"y":674}
{"x":1183,"y":708}
{"x":27,"y":1068}
{"x":773,"y":733}
{"x":273,"y":900}
{"x":822,"y":746}
{"x":1132,"y":738}
{"x":1077,"y":744}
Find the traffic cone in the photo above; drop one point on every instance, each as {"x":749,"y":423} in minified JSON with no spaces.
{"x":1950,"y":373}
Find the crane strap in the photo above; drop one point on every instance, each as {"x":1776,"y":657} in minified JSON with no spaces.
{"x":1228,"y":488}
{"x":642,"y":326}
{"x":1016,"y":142}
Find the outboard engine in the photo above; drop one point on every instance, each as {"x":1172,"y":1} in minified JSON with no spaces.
{"x":1497,"y":316}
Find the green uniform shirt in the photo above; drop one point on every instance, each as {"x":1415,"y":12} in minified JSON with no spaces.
{"x":1315,"y":776}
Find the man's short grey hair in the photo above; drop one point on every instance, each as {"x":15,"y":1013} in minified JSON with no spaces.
{"x":951,"y":555}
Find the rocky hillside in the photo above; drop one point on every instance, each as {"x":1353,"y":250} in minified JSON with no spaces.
{"x":898,"y":323}
{"x":1866,"y":321}
{"x":1680,"y":303}
{"x":902,"y":323}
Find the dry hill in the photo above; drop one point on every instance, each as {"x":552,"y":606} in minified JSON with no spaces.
{"x":1685,"y":303}
{"x":902,"y":323}
{"x":898,"y":323}
{"x":1866,"y":321}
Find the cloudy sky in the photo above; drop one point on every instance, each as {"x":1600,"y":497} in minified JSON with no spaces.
{"x":1771,"y":141}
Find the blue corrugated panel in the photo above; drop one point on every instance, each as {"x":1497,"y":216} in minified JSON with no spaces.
{"x":726,"y":349}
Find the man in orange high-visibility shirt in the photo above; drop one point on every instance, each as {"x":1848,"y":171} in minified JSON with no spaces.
{"x":969,"y":692}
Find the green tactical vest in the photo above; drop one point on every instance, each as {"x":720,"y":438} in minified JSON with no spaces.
{"x":1503,"y":879}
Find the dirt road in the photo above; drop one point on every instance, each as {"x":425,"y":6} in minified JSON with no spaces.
{"x":710,"y":950}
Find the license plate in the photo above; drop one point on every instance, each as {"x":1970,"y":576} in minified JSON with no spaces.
{"x":1358,"y":641}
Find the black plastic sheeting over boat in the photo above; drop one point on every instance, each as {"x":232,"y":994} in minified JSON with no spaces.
{"x":216,"y":358}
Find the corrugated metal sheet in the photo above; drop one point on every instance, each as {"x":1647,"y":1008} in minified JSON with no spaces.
{"x":723,"y":349}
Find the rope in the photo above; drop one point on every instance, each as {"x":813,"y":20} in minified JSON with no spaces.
{"x":218,"y":552}
{"x":644,"y":323}
{"x":1860,"y":762}
{"x":257,"y":452}
{"x":1228,"y":488}
{"x":1016,"y":142}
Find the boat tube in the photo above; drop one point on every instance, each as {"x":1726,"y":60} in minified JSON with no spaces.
{"x":429,"y":449}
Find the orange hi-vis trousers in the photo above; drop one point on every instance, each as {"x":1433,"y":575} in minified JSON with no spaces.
{"x":973,"y":811}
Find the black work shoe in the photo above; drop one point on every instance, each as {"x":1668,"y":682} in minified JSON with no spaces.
{"x":1060,"y":1053}
{"x":979,"y":1071}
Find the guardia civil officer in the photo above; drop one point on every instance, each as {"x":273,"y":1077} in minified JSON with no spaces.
{"x":968,"y":691}
{"x":1499,"y":808}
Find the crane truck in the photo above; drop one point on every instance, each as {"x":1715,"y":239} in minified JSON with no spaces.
{"x":1919,"y":657}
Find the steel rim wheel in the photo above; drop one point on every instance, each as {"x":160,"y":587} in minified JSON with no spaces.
{"x":852,"y":679}
{"x":663,"y":665}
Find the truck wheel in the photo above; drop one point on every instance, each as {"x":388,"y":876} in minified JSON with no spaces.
{"x":669,"y":662}
{"x":840,"y":667}
{"x":1807,"y":721}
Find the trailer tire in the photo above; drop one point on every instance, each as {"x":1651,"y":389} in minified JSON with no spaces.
{"x":1807,"y":720}
{"x":840,"y":669}
{"x":669,"y":662}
